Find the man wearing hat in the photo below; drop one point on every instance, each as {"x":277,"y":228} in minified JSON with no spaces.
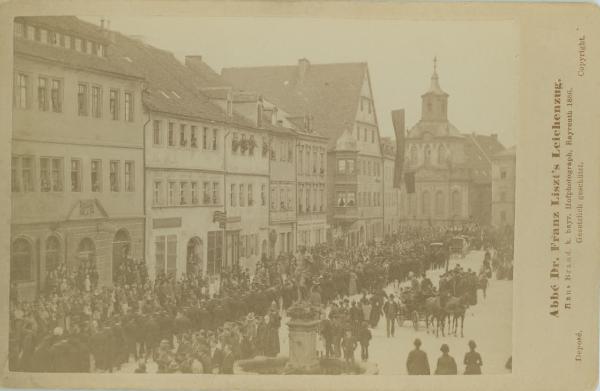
{"x":472,"y":360}
{"x":417,"y":362}
{"x":390,"y":309}
{"x":446,"y":364}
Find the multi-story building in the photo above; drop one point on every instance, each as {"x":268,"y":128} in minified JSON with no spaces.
{"x":452,"y":170}
{"x":311,"y":177}
{"x":337,"y":100}
{"x":77,"y":145}
{"x":391,"y":194}
{"x":503,"y":187}
{"x":297,"y":168}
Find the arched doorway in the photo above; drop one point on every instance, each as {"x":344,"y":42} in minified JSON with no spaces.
{"x":21,"y":261}
{"x":121,"y":252}
{"x":53,"y":253}
{"x":195,"y":256}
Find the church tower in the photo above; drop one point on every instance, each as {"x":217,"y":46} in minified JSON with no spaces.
{"x":434,"y":106}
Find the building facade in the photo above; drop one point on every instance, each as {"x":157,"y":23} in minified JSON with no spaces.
{"x":503,"y":188}
{"x":337,"y":100}
{"x":451,"y":170}
{"x":77,"y":163}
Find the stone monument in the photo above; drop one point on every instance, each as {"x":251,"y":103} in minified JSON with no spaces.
{"x":303,"y":328}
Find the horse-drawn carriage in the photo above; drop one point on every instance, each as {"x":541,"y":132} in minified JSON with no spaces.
{"x":459,"y":245}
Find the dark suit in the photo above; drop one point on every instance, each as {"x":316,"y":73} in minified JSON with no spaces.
{"x":417,"y":363}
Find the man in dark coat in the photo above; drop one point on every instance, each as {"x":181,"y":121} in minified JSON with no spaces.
{"x":390,"y":309}
{"x":446,"y":365}
{"x":417,"y":362}
{"x":364,"y":337}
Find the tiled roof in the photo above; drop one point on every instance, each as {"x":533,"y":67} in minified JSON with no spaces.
{"x":329,"y":92}
{"x":70,"y":57}
{"x":170,"y":88}
{"x":67,"y":25}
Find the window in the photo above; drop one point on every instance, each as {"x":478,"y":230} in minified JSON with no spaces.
{"x":19,"y":29}
{"x":129,"y":176}
{"x":52,"y":253}
{"x":114,"y":104}
{"x":300,"y":198}
{"x":365,"y":134}
{"x":22,"y":95}
{"x":51,"y":174}
{"x":195,"y":193}
{"x":96,"y":102}
{"x":214,"y":252}
{"x":215,"y":193}
{"x":42,"y":94}
{"x":250,"y":196}
{"x":182,"y":138}
{"x":56,"y":95}
{"x":242,"y":196}
{"x":427,"y":155}
{"x":314,"y":162}
{"x":82,"y":100}
{"x":114,"y":176}
{"x":503,"y":216}
{"x":233,"y":195}
{"x":307,"y":161}
{"x":165,"y":251}
{"x":263,"y":196}
{"x":75,"y":175}
{"x":128,"y":106}
{"x":25,"y":164}
{"x":503,"y":174}
{"x":321,"y":164}
{"x":439,"y":203}
{"x":350,"y":166}
{"x":234,"y":142}
{"x":214,"y":140}
{"x":205,"y":138}
{"x":171,"y":194}
{"x":96,"y":176}
{"x":456,"y":203}
{"x":182,"y":191}
{"x":156,"y":198}
{"x":193,"y":138}
{"x":206,"y":193}
{"x":21,"y":260}
{"x":341,"y":166}
{"x":171,"y":137}
{"x":503,"y":196}
{"x":282,"y":204}
{"x":156,"y":132}
{"x":300,"y":159}
{"x":159,"y":253}
{"x":373,"y":136}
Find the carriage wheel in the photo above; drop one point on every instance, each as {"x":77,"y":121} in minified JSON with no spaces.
{"x":415,"y":320}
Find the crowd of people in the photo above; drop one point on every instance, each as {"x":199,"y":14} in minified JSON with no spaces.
{"x":182,"y":325}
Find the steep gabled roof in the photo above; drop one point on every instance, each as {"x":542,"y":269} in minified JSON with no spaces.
{"x":329,"y":92}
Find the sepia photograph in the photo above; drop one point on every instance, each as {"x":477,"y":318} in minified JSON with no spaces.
{"x":287,"y":198}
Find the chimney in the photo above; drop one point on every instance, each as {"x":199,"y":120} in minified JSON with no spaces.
{"x":303,"y":66}
{"x":191,"y":61}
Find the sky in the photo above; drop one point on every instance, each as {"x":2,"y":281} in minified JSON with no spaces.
{"x":477,"y":61}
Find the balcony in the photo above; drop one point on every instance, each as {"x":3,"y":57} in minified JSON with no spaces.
{"x":346,"y":212}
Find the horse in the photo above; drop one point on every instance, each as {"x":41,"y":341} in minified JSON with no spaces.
{"x":435,"y":310}
{"x":456,"y":308}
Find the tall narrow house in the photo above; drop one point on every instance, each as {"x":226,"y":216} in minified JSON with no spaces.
{"x":338,"y":101}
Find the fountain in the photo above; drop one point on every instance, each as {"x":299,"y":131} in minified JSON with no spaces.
{"x":303,"y":359}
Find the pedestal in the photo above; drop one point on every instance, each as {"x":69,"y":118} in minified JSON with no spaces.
{"x":303,"y":344}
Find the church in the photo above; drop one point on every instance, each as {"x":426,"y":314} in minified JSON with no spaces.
{"x":447,"y":172}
